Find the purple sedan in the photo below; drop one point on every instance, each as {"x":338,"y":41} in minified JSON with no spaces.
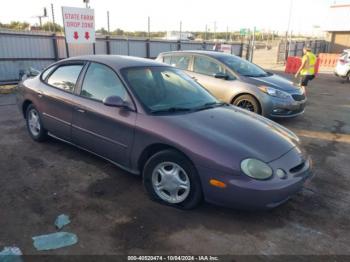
{"x":155,"y":121}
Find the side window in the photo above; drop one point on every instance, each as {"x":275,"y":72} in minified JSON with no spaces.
{"x":180,"y":61}
{"x":47,"y":72}
{"x":166,"y":59}
{"x":206,"y":66}
{"x":65,"y":77}
{"x":100,"y":82}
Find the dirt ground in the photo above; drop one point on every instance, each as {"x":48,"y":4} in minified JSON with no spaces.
{"x":111,"y":213}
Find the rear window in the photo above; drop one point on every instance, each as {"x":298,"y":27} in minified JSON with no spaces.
{"x":65,"y":77}
{"x":47,"y":72}
{"x":167,"y":59}
{"x":178,"y":61}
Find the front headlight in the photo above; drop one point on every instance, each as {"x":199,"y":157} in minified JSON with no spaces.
{"x":256,"y":169}
{"x":274,"y":92}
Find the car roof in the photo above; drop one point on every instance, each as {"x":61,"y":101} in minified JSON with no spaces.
{"x":117,"y":61}
{"x":214,"y":54}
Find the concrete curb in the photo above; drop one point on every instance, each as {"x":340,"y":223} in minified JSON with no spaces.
{"x":7,"y":89}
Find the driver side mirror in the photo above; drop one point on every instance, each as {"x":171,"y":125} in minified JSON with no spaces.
{"x":221,"y":75}
{"x":116,"y":101}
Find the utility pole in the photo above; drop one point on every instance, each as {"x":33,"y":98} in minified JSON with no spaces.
{"x":108,"y":22}
{"x":42,"y":16}
{"x":288,"y":28}
{"x":86,"y":3}
{"x":180,"y":30}
{"x":149,"y":27}
{"x":252,"y":46}
{"x":214,"y":30}
{"x":53,"y":15}
{"x":206,"y":32}
{"x":226,"y":33}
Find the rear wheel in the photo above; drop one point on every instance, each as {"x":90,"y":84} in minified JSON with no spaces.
{"x":247,"y":102}
{"x":34,"y":124}
{"x":170,"y":178}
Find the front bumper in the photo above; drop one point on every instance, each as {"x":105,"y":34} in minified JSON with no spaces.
{"x":274,"y":107}
{"x":244,"y":192}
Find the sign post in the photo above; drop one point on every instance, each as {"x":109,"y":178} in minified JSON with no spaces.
{"x":79,"y":26}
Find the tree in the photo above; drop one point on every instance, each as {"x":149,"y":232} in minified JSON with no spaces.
{"x":118,"y":31}
{"x":52,"y":27}
{"x":102,"y":31}
{"x":15,"y":25}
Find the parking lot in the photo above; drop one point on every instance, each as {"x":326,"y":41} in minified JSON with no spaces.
{"x":111,"y":214}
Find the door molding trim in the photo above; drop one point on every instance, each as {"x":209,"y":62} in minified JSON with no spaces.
{"x":132,"y":171}
{"x":99,"y":136}
{"x":57,"y":119}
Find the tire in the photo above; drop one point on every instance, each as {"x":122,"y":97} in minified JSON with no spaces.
{"x":247,"y":102}
{"x":35,"y":127}
{"x":173,"y":169}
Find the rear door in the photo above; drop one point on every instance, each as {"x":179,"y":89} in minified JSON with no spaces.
{"x":106,"y":131}
{"x":203,"y":70}
{"x":57,"y":98}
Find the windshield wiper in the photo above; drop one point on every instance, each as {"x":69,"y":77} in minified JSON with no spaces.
{"x":210,"y":105}
{"x":172,"y":110}
{"x":260,"y":75}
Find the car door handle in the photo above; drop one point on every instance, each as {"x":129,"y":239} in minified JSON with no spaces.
{"x":40,"y":93}
{"x":194,"y":78}
{"x":80,"y":110}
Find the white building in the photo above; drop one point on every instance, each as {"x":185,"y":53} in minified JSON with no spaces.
{"x":175,"y":35}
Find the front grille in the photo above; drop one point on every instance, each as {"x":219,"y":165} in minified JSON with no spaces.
{"x":298,"y":97}
{"x":297,"y":168}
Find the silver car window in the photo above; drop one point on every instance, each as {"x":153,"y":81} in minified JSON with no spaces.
{"x":180,"y":61}
{"x":206,"y":66}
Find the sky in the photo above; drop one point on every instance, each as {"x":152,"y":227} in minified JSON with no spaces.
{"x":166,"y":15}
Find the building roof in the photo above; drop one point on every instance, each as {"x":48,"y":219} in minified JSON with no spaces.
{"x":338,"y":18}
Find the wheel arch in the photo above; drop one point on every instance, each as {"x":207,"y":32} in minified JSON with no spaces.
{"x":250,"y":94}
{"x":152,"y":149}
{"x":25,"y":105}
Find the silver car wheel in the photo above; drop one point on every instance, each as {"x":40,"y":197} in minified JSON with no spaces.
{"x":170,"y":182}
{"x":34,"y":122}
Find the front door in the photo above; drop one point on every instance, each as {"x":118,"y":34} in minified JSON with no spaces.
{"x":203,"y":71}
{"x":106,"y":131}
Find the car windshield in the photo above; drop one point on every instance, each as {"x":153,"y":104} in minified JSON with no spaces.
{"x":243,"y":67}
{"x":165,"y":89}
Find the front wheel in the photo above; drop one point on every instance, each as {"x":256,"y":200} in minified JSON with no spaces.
{"x":34,"y":124}
{"x":170,"y":178}
{"x":247,"y":102}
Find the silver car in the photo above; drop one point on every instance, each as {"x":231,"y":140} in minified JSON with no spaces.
{"x":239,"y":82}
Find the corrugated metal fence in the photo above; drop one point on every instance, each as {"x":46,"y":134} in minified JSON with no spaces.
{"x":295,"y":48}
{"x":19,"y":51}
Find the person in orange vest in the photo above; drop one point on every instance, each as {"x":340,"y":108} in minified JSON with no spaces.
{"x":307,"y":68}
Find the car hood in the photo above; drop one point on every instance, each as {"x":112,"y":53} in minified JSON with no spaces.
{"x":274,"y":81}
{"x":233,"y":133}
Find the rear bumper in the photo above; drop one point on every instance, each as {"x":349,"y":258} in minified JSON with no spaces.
{"x":245,"y":193}
{"x":342,"y":70}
